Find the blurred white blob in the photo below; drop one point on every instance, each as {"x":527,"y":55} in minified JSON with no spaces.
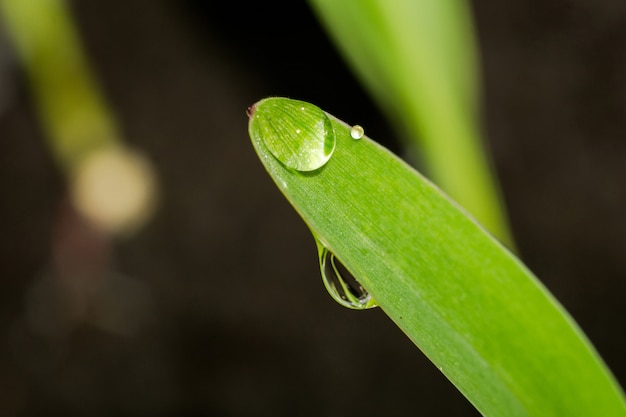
{"x":115,"y":188}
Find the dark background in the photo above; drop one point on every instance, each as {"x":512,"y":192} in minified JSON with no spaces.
{"x":216,"y":307}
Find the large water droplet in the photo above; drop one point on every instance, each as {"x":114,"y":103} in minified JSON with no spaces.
{"x":341,"y":285}
{"x":297,"y":133}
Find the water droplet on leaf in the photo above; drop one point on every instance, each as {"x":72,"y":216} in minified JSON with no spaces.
{"x":298,"y":134}
{"x":357,"y":132}
{"x":341,"y":285}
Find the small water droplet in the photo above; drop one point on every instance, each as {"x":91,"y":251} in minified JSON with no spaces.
{"x":357,"y":132}
{"x":298,"y":134}
{"x":341,"y":285}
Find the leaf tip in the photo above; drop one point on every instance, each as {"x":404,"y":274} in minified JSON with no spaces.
{"x":250,"y":110}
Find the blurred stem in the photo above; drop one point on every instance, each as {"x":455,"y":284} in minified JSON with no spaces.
{"x":418,"y":59}
{"x":110,"y":184}
{"x":72,"y":110}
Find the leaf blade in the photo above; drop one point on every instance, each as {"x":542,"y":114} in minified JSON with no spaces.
{"x":462,"y":297}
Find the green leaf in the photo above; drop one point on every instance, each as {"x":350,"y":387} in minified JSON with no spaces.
{"x":464,"y":299}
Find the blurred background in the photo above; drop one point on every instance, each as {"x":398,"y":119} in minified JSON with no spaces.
{"x":215,"y":306}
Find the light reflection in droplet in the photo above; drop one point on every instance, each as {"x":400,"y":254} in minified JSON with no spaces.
{"x":341,"y":285}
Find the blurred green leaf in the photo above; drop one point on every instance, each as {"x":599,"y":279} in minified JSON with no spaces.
{"x":418,"y":58}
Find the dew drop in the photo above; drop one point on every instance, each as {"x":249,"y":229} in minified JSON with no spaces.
{"x":298,"y":134}
{"x":341,"y":285}
{"x":357,"y":132}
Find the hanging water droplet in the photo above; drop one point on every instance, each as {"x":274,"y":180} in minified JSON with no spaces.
{"x":341,"y":285}
{"x":357,"y":132}
{"x":298,"y":134}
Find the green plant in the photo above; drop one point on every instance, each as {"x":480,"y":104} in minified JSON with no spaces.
{"x":462,"y":297}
